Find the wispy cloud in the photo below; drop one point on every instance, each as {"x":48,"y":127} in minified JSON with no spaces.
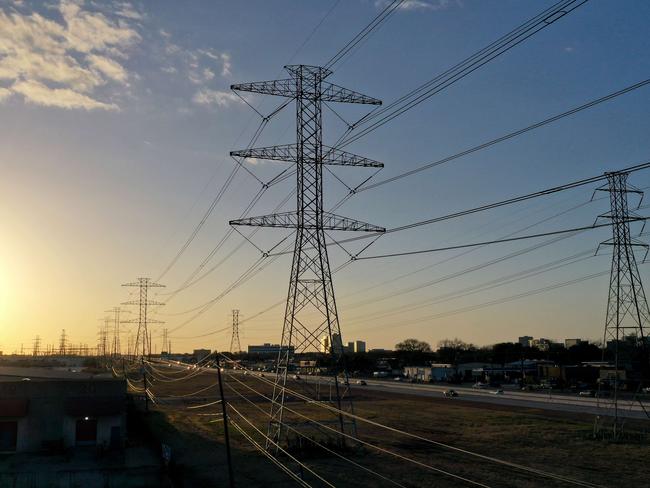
{"x":416,"y":4}
{"x":40,"y":94}
{"x":62,"y":62}
{"x":219,"y":98}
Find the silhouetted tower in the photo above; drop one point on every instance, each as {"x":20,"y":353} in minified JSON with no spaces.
{"x":164,"y":342}
{"x":115,"y":344}
{"x":142,"y":346}
{"x":36,"y":350}
{"x":235,"y":347}
{"x":311,"y":293}
{"x":62,"y":343}
{"x":103,"y":342}
{"x":627,"y":307}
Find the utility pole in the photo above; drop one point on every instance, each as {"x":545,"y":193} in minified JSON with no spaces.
{"x":143,"y":338}
{"x":235,"y":347}
{"x":311,"y":291}
{"x":37,"y":346}
{"x":225,"y":424}
{"x":627,"y":307}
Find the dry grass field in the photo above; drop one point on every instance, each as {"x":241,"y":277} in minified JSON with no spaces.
{"x":553,"y":442}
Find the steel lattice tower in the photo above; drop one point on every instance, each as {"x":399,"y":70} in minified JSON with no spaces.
{"x":143,"y":338}
{"x":115,"y":343}
{"x":235,"y":346}
{"x":627,"y":307}
{"x":62,"y":343}
{"x":311,"y":292}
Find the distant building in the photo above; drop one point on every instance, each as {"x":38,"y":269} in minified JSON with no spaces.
{"x":337,"y":344}
{"x":473,"y":371}
{"x":350,"y":347}
{"x":525,"y":341}
{"x":200,"y":354}
{"x":59,"y":409}
{"x":267,"y":348}
{"x":435,"y":372}
{"x":359,"y":346}
{"x":325,"y":344}
{"x":574,"y":342}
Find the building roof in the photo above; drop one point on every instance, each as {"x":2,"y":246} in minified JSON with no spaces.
{"x":18,"y":373}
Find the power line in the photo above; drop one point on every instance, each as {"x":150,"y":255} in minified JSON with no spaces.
{"x":498,"y":241}
{"x":364,"y":33}
{"x":508,"y":136}
{"x":463,"y":69}
{"x":539,"y":472}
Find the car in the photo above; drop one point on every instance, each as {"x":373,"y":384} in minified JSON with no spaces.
{"x":587,"y":393}
{"x":246,"y":373}
{"x":296,"y":377}
{"x":398,"y":378}
{"x":497,"y":392}
{"x":646,"y":389}
{"x":479,"y":385}
{"x":262,"y":375}
{"x":450,"y":393}
{"x":361,"y":382}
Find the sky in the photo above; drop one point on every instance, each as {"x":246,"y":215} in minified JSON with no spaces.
{"x":118,"y":120}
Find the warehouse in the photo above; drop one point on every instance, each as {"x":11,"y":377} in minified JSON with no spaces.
{"x":55,"y":410}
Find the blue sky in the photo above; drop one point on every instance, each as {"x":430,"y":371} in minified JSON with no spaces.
{"x":118,"y":121}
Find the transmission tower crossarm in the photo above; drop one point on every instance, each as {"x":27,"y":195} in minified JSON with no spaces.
{"x":150,"y":284}
{"x":320,"y":91}
{"x":289,"y":153}
{"x":290,"y":220}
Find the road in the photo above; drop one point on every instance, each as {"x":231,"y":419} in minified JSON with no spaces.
{"x":513,"y":398}
{"x":546,"y":401}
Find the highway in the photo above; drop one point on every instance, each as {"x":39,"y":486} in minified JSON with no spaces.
{"x":512,"y":398}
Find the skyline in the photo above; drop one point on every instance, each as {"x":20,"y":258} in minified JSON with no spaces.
{"x":112,"y":157}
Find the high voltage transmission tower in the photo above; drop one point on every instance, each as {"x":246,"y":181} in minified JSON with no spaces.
{"x":143,"y":338}
{"x":62,"y":343}
{"x":102,"y":342}
{"x":115,"y":342}
{"x":165,"y":342}
{"x":235,"y":346}
{"x":627,"y":307}
{"x":37,"y":346}
{"x":311,"y":292}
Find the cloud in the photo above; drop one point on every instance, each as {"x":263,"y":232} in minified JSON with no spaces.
{"x":126,"y":10}
{"x":61,"y":63}
{"x":108,"y":67}
{"x":225,"y":70}
{"x":220,"y":98}
{"x":416,"y":4}
{"x":39,"y":94}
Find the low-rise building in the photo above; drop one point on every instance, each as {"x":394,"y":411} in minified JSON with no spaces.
{"x":433,"y":372}
{"x":51,"y":410}
{"x":525,"y":341}
{"x":268,"y":348}
{"x":200,"y":354}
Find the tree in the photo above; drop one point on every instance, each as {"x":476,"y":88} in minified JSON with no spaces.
{"x":413,"y":345}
